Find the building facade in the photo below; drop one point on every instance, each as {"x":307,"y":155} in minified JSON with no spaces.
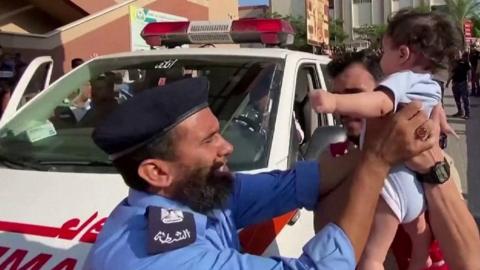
{"x":356,"y":13}
{"x":315,"y":13}
{"x":288,"y":7}
{"x":257,"y":11}
{"x":67,"y":29}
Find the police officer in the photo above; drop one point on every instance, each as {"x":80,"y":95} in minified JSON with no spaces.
{"x":184,"y":208}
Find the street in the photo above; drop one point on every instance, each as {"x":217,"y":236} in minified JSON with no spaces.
{"x":465,"y":151}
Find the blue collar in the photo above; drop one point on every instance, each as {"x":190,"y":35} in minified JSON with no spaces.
{"x":143,"y":200}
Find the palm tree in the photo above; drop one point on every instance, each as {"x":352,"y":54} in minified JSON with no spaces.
{"x":460,"y":10}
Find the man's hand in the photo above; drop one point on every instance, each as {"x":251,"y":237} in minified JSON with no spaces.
{"x":396,"y":138}
{"x":426,"y":160}
{"x":323,"y":101}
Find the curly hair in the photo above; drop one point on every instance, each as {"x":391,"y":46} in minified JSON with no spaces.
{"x":367,"y":58}
{"x":432,"y":34}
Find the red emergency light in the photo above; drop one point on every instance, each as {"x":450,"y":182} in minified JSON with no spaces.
{"x":273,"y":32}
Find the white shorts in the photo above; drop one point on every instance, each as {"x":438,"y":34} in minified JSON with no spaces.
{"x":404,"y":194}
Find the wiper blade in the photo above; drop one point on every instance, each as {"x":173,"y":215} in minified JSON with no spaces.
{"x":20,"y":164}
{"x":98,"y":163}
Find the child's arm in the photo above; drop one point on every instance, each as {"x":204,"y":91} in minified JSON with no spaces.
{"x":442,"y":121}
{"x":364,"y":105}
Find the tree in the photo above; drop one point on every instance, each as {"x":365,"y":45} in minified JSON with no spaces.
{"x":372,"y":33}
{"x":337,"y":35}
{"x":476,"y":26}
{"x":460,"y":10}
{"x":423,"y":7}
{"x":299,"y":25}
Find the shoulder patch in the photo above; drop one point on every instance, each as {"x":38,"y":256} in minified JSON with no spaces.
{"x":169,"y":229}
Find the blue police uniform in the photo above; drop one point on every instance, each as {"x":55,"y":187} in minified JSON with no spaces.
{"x":148,"y":231}
{"x":124,"y":240}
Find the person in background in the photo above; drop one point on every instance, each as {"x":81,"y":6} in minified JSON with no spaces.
{"x":20,"y":67}
{"x":473,"y":57}
{"x":76,"y":62}
{"x":460,"y":78}
{"x":7,"y":75}
{"x":6,"y":89}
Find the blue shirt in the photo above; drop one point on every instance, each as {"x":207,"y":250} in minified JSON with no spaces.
{"x":407,"y":86}
{"x":402,"y":192}
{"x":122,"y":244}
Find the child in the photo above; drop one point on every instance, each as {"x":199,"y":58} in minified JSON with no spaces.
{"x":414,"y":46}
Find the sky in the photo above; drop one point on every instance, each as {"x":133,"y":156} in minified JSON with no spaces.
{"x":253,"y":2}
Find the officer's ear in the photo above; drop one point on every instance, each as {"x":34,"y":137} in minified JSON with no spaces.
{"x":157,"y":173}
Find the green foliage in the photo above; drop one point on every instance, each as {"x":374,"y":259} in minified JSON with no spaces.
{"x":299,"y":24}
{"x":372,"y":33}
{"x":337,"y":35}
{"x":460,"y":10}
{"x":476,"y":26}
{"x":423,"y":8}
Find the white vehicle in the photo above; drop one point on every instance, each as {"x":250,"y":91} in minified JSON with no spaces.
{"x":58,"y":188}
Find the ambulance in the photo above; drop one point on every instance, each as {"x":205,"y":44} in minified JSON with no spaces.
{"x":58,"y":187}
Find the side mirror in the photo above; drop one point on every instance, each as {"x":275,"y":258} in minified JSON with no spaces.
{"x":321,"y":138}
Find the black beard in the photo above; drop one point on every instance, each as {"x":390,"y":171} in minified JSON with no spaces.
{"x":204,"y":189}
{"x":354,"y":139}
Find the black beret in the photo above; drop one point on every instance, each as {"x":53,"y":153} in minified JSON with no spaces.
{"x":149,"y":115}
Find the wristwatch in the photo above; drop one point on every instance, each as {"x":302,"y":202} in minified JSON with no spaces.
{"x":438,"y":174}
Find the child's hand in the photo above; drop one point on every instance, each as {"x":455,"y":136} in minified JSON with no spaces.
{"x":438,"y":113}
{"x":323,"y":101}
{"x":447,"y":129}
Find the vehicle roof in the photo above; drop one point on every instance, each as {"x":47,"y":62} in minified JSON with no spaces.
{"x":256,"y":52}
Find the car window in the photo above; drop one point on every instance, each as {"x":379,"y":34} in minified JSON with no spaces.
{"x":307,"y":81}
{"x":326,"y":77}
{"x":53,"y":132}
{"x":36,"y":84}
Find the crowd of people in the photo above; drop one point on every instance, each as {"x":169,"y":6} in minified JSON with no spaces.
{"x":11,"y":69}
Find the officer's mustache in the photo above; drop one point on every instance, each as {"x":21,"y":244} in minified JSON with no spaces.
{"x":205,"y":188}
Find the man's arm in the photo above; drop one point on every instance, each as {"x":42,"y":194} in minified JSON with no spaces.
{"x":266,"y":195}
{"x":361,"y":201}
{"x":448,"y":82}
{"x":262,"y":196}
{"x":453,"y":226}
{"x":450,"y":219}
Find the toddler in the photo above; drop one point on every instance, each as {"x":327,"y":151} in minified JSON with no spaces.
{"x":415,"y":45}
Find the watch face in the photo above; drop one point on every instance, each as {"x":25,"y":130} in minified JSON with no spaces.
{"x":442,"y":172}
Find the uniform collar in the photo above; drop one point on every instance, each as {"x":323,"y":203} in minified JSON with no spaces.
{"x":142,"y":199}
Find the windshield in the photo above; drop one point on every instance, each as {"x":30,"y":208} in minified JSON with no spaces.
{"x":53,"y":132}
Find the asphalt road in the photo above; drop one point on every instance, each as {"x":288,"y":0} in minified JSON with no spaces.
{"x":466,"y":150}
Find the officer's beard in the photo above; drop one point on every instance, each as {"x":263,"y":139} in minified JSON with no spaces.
{"x":204,"y":188}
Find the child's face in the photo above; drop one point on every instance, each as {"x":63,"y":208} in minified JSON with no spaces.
{"x":391,"y":57}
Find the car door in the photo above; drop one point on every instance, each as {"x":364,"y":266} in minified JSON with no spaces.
{"x":326,"y":82}
{"x":35,"y":78}
{"x":305,"y":120}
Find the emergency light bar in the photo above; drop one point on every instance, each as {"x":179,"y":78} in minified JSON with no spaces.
{"x":273,"y":32}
